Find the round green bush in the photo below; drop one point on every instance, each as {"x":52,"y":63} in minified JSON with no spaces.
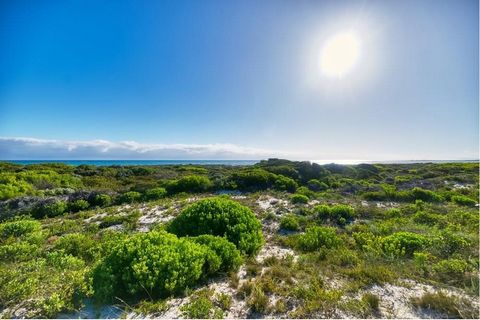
{"x":298,"y":198}
{"x":130,"y":197}
{"x":191,"y":184}
{"x":155,"y":193}
{"x":220,"y":217}
{"x":403,"y":243}
{"x":49,"y":210}
{"x":154,"y":264}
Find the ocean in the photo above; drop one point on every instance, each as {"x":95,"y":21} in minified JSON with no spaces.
{"x":214,"y":162}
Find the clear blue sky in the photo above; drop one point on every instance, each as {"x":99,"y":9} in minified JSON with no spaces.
{"x":238,"y":75}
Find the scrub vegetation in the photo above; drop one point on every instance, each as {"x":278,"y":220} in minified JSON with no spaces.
{"x":276,"y":239}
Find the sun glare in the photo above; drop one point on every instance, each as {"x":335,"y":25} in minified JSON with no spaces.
{"x":339,"y":54}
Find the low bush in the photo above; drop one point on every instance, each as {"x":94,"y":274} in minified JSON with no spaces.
{"x":299,"y":199}
{"x":451,"y":270}
{"x":49,"y":210}
{"x":78,"y":245}
{"x":101,"y":200}
{"x":464,"y":201}
{"x":153,"y":264}
{"x":155,"y":193}
{"x":425,"y":195}
{"x":129,"y":197}
{"x":78,"y":205}
{"x":339,"y":214}
{"x":220,"y":217}
{"x":284,"y":184}
{"x":318,"y":237}
{"x":316,"y":185}
{"x":289,"y":222}
{"x":190,"y":184}
{"x":17,"y":228}
{"x":403,"y":244}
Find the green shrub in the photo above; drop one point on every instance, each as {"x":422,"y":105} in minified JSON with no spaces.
{"x":190,"y":184}
{"x":464,"y":201}
{"x":17,"y":228}
{"x":372,"y":301}
{"x":102,"y":200}
{"x":253,"y":179}
{"x":201,"y":306}
{"x":78,"y":205}
{"x":285,"y":184}
{"x":155,"y":193}
{"x":451,"y":270}
{"x":129,"y":197}
{"x":153,"y":264}
{"x":425,"y":195}
{"x":299,"y":198}
{"x":339,"y":214}
{"x":317,"y":237}
{"x":229,"y":257}
{"x":403,"y":244}
{"x":49,"y":210}
{"x":220,"y":217}
{"x":316,"y":185}
{"x":449,"y":242}
{"x":427,"y":218}
{"x":289,"y":222}
{"x":342,"y":214}
{"x":78,"y":245}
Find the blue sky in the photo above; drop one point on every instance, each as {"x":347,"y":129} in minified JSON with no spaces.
{"x":237,"y":79}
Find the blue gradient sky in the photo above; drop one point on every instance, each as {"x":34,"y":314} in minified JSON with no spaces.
{"x":240,"y":74}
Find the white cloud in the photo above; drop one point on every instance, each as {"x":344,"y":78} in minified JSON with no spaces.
{"x":20,"y":148}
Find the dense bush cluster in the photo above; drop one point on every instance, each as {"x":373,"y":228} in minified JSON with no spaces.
{"x":157,"y":264}
{"x":220,"y":217}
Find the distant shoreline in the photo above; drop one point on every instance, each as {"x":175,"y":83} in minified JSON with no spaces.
{"x":219,"y":162}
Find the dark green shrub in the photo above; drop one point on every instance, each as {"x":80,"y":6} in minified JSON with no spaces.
{"x":403,"y":244}
{"x":78,"y":205}
{"x":285,"y":184}
{"x":220,"y":217}
{"x":129,"y":197}
{"x":153,"y":264}
{"x":464,"y":201}
{"x":318,"y":237}
{"x":299,"y":199}
{"x":289,"y":222}
{"x":449,"y":242}
{"x":190,"y":184}
{"x":316,"y":185}
{"x":49,"y":210}
{"x":102,"y":200}
{"x":425,"y":195}
{"x":229,"y":256}
{"x":155,"y":193}
{"x":256,"y":179}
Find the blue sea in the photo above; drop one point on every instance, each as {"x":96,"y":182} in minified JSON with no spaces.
{"x":214,"y":162}
{"x":139,"y":162}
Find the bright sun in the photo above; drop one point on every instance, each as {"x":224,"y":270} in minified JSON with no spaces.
{"x":339,"y":54}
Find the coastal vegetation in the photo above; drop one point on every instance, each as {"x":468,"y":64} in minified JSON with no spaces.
{"x":278,"y":238}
